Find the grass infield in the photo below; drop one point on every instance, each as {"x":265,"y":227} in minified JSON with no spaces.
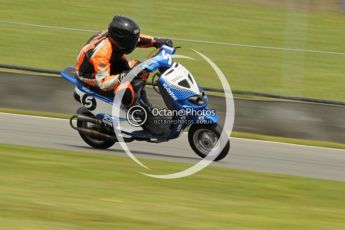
{"x":52,"y":189}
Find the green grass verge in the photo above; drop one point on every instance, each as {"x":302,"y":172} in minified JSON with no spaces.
{"x":311,"y":75}
{"x":51,"y":189}
{"x":25,"y":72}
{"x":234,"y":134}
{"x":288,"y":140}
{"x":35,"y":113}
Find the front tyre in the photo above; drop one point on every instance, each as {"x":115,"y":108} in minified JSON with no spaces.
{"x":93,"y":142}
{"x":203,"y":138}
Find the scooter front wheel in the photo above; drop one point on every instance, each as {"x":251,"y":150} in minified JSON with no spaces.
{"x":204,"y":138}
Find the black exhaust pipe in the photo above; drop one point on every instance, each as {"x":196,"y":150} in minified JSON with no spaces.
{"x":87,"y":119}
{"x":96,"y":134}
{"x":93,"y":133}
{"x":90,"y":132}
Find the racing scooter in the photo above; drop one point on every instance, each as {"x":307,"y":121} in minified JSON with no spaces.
{"x":184,"y":98}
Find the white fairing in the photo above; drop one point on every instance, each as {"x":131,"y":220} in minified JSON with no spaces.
{"x":96,"y":106}
{"x":177,"y":76}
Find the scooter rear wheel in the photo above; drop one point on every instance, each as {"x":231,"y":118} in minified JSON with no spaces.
{"x":203,"y":138}
{"x":93,"y":142}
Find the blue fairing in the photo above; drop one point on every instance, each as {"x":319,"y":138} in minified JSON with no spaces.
{"x":180,"y":101}
{"x":209,"y":119}
{"x":109,"y":119}
{"x":66,"y":74}
{"x":180,"y":97}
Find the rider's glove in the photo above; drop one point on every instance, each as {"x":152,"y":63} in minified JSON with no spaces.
{"x":159,"y":42}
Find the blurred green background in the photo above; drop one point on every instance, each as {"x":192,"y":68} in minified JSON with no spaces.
{"x":314,"y":25}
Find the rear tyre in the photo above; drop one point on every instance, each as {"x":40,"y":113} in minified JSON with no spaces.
{"x":93,"y":142}
{"x":203,"y":138}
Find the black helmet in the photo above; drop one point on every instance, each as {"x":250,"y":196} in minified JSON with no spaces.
{"x":125,"y":32}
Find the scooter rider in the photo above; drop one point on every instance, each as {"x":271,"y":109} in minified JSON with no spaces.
{"x":102,"y":62}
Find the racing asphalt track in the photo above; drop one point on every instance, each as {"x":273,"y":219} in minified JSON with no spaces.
{"x":315,"y":162}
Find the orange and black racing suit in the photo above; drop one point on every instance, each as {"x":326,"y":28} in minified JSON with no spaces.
{"x":99,"y":63}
